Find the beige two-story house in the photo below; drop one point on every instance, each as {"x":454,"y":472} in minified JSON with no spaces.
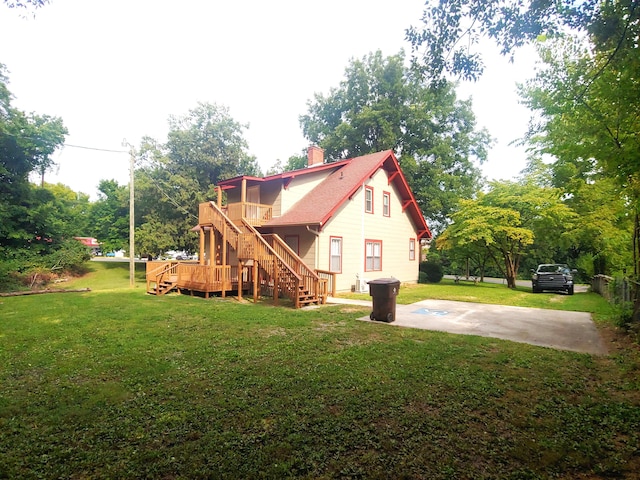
{"x":331,"y":226}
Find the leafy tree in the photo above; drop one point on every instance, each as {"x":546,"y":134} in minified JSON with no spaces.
{"x":26,"y":145}
{"x":381,"y":105}
{"x":203,"y":147}
{"x":167,"y":203}
{"x":451,"y":30}
{"x":506,"y":221}
{"x":295,"y":162}
{"x":155,"y":237}
{"x":207,"y":145}
{"x":110,"y":215}
{"x":587,"y":98}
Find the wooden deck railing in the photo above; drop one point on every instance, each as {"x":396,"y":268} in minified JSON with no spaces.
{"x":205,"y":278}
{"x":330,"y":278}
{"x":210,"y":214}
{"x":256,"y":214}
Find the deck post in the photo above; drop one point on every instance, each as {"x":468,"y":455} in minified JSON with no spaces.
{"x":275,"y":283}
{"x":201,"y":255}
{"x":212,"y":247}
{"x":219,"y":195}
{"x":240,"y":266}
{"x":223,"y":260}
{"x":255,"y":281}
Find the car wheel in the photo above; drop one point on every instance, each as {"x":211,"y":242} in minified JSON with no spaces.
{"x":570,"y":290}
{"x":371,"y":317}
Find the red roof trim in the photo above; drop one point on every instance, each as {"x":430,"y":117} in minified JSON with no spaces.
{"x":353,"y":191}
{"x":290,"y":175}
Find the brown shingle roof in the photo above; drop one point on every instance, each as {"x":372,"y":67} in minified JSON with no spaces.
{"x":319,"y":205}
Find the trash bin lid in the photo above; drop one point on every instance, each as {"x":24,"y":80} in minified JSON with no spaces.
{"x":384,"y":281}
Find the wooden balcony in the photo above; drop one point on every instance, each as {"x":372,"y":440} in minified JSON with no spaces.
{"x":256,"y":214}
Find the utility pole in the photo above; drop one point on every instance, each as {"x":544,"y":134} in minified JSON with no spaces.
{"x":132,"y":264}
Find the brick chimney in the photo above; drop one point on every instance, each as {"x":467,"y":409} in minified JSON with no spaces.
{"x":315,"y":156}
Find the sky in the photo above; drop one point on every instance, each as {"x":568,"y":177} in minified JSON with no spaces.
{"x":117,"y":69}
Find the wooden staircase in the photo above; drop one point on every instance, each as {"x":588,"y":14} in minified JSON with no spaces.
{"x":281,"y":271}
{"x":163,"y":278}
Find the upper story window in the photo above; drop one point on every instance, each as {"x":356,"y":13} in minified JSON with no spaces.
{"x":386,"y":204}
{"x":368,"y":199}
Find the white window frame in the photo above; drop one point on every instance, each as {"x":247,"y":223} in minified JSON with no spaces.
{"x":372,"y":255}
{"x":335,"y":254}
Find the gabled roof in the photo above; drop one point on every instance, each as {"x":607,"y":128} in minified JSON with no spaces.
{"x":346,"y":177}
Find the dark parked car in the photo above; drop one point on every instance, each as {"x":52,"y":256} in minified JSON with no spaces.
{"x":556,"y":277}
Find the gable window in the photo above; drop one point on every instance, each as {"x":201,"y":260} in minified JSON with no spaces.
{"x":368,"y":199}
{"x":373,"y":255}
{"x":386,"y":204}
{"x":335,"y":259}
{"x":412,"y":249}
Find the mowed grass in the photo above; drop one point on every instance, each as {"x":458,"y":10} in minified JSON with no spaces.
{"x":118,"y":384}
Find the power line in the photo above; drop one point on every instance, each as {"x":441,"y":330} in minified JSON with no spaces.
{"x":26,"y":137}
{"x":95,"y":148}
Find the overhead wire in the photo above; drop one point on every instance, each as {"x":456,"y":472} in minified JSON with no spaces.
{"x":155,"y":182}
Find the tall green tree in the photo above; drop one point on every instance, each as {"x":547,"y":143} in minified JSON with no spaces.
{"x":506,"y":221}
{"x":295,"y":162}
{"x":208,"y":145}
{"x":586,"y":99}
{"x":202,"y":148}
{"x":110,"y":215}
{"x":27,"y":142}
{"x":447,"y":40}
{"x":381,"y":105}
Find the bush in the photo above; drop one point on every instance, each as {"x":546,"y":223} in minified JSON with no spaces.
{"x":432,"y":271}
{"x":20,"y":269}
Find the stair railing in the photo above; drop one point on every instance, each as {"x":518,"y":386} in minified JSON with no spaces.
{"x":312,"y":282}
{"x":164,"y":272}
{"x":210,"y":214}
{"x":288,"y":280}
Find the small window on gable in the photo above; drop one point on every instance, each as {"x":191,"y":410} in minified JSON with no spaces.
{"x":386,"y":204}
{"x":368,"y":199}
{"x":412,"y":249}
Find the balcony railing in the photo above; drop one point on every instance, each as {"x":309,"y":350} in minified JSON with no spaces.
{"x":256,"y":214}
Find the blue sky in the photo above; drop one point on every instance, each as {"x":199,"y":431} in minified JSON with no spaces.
{"x":119,"y":69}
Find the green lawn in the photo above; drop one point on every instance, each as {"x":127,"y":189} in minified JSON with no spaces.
{"x":118,"y":384}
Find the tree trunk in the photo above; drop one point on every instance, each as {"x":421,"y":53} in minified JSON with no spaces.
{"x":510,"y":270}
{"x":47,"y":290}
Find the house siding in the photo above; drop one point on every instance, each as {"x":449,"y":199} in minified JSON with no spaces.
{"x":298,"y":188}
{"x":355,"y":227}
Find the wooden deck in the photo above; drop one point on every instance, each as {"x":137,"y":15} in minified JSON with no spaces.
{"x":266,"y":265}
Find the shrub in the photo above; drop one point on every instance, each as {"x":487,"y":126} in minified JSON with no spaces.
{"x":432,"y":271}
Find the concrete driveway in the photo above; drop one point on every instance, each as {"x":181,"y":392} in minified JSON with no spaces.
{"x":573,"y":331}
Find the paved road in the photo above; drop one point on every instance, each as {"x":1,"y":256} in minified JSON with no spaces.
{"x":573,"y":331}
{"x":520,"y":283}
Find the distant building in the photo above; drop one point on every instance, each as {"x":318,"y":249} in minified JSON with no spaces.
{"x":90,"y":242}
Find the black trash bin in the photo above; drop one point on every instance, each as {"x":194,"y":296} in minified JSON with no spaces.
{"x":384,"y":292}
